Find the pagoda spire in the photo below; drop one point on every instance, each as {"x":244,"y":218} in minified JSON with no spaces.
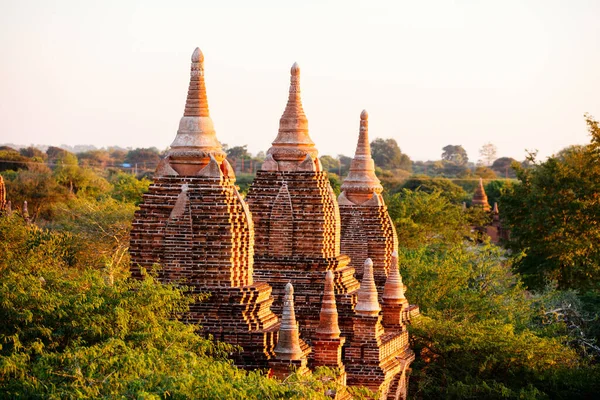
{"x":293,"y":142}
{"x":328,"y":321}
{"x":362,"y":179}
{"x":393,"y":291}
{"x":480,"y":199}
{"x":288,"y":345}
{"x":367,"y":303}
{"x":196,"y":136}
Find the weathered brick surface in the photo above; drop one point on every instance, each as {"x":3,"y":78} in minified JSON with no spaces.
{"x":194,"y":223}
{"x":368,"y":232}
{"x":199,"y":230}
{"x":315,"y":249}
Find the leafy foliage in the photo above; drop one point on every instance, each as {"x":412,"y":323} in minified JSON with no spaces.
{"x":553,"y":214}
{"x":70,"y":332}
{"x":387,"y":155}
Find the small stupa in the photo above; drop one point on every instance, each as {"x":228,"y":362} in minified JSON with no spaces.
{"x":480,"y":199}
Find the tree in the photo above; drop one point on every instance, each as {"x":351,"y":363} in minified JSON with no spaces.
{"x":455,"y":154}
{"x":38,"y":188}
{"x":488,"y":154}
{"x":503,"y":167}
{"x":446,"y":187}
{"x":70,"y":331}
{"x":345,"y":162}
{"x":330,"y":164}
{"x":387,"y":155}
{"x":144,"y":157}
{"x":554,"y":217}
{"x":485,"y":173}
{"x":417,"y":216}
{"x":127,"y":188}
{"x":476,"y":314}
{"x":238,"y":152}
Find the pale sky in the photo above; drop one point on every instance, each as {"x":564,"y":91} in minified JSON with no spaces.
{"x":519,"y":74}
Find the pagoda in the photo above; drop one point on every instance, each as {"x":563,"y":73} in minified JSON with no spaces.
{"x":480,"y":199}
{"x":194,"y":223}
{"x":367,"y":229}
{"x":297,"y":222}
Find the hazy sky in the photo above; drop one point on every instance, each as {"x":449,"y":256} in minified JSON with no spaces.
{"x":519,"y":74}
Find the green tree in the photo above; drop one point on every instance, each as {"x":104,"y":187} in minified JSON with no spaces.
{"x":69,"y":331}
{"x":485,"y":173}
{"x":387,"y":155}
{"x":503,"y":167}
{"x":554,"y":216}
{"x":128,"y":188}
{"x":446,"y":187}
{"x":147,"y":158}
{"x":423,"y":218}
{"x":330,"y":164}
{"x":37,"y":187}
{"x":455,"y":154}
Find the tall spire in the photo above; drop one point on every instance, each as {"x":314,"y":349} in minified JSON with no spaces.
{"x":480,"y":199}
{"x":393,"y":291}
{"x":196,"y":136}
{"x":362,"y":179}
{"x":367,"y":303}
{"x":328,"y":319}
{"x":293,"y":142}
{"x":288,"y":345}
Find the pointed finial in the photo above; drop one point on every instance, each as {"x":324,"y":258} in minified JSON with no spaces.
{"x":361,"y":182}
{"x":196,"y":137}
{"x":328,"y":318}
{"x":197,"y":56}
{"x":293,"y":142}
{"x":295,"y":71}
{"x":495,"y":210}
{"x":367,"y":303}
{"x":393,"y":291}
{"x":288,"y":345}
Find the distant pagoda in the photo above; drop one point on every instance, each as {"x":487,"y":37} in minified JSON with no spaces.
{"x":480,"y":199}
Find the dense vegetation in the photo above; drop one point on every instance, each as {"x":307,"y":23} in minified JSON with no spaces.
{"x":517,"y":321}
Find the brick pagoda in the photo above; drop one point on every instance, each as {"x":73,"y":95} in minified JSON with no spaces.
{"x":367,"y":229}
{"x":194,"y":223}
{"x":297,"y":223}
{"x":480,"y":199}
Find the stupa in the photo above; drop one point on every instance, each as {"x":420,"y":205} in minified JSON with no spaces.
{"x":297,"y":222}
{"x":367,"y":229}
{"x":194,"y":223}
{"x":480,"y":199}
